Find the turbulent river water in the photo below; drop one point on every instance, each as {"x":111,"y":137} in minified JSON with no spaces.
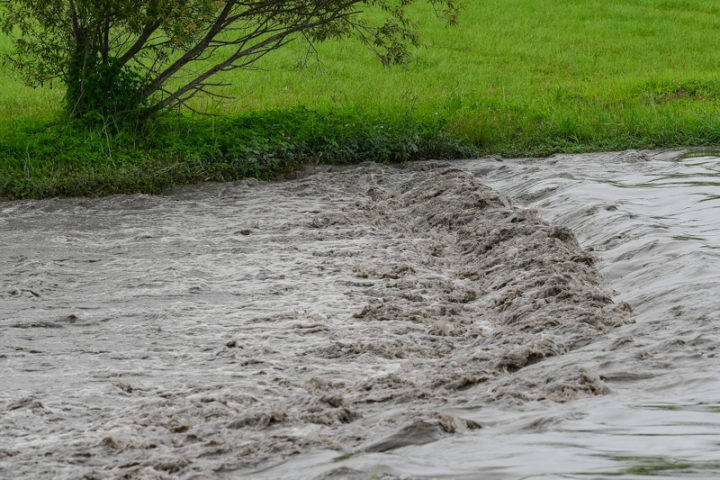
{"x":490,"y":318}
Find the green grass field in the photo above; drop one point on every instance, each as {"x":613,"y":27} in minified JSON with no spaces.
{"x":517,"y":77}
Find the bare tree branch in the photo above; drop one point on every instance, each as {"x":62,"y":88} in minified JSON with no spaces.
{"x":139,"y":44}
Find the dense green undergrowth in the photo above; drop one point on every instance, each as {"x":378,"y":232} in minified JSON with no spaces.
{"x":49,"y":159}
{"x":40,"y":159}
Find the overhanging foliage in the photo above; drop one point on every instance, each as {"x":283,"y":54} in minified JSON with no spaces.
{"x":143,"y":57}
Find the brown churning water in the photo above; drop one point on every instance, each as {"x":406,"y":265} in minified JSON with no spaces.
{"x":476,"y":319}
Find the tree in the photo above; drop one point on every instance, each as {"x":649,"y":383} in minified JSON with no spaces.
{"x":140,"y":58}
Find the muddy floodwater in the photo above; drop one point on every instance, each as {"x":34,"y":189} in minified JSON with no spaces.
{"x":480,"y":319}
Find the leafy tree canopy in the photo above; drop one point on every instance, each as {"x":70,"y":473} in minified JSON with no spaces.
{"x":143,"y":57}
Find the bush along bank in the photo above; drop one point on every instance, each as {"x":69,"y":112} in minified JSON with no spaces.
{"x":41,"y":159}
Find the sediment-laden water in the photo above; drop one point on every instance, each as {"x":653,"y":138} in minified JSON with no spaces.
{"x":489,"y":318}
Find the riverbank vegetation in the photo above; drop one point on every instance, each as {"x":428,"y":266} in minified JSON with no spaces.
{"x":517,"y":78}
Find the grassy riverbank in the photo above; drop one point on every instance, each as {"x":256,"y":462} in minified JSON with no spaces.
{"x":518,"y":77}
{"x":50,"y":159}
